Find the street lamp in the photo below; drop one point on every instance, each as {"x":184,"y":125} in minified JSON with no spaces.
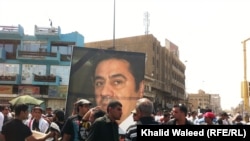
{"x":244,"y":83}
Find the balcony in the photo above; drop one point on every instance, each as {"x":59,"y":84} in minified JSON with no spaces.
{"x":45,"y":57}
{"x":47,"y":32}
{"x":46,"y":80}
{"x":11,"y":32}
{"x":10,"y":79}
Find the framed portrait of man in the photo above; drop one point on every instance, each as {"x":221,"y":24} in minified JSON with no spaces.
{"x":100,"y":75}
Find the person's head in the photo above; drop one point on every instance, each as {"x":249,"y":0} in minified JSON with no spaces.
{"x":200,"y":115}
{"x":166,"y":117}
{"x":21,"y":111}
{"x":49,"y":110}
{"x":209,"y":117}
{"x":114,"y":110}
{"x":118,"y":77}
{"x":37,"y":112}
{"x":194,"y":114}
{"x":179,"y":111}
{"x":238,"y":118}
{"x":224,"y":115}
{"x":96,"y":114}
{"x":6,"y":110}
{"x":135,"y":116}
{"x":82,"y":106}
{"x":144,"y":108}
{"x":208,"y":110}
{"x":58,"y":115}
{"x":158,"y":113}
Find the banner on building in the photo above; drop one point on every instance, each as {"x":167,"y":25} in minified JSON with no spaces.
{"x":6,"y":89}
{"x":31,"y":90}
{"x":58,"y":91}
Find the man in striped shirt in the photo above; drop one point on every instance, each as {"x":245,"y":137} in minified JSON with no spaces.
{"x":144,"y":110}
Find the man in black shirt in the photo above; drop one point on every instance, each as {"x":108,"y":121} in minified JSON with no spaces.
{"x":15,"y":130}
{"x":106,"y":128}
{"x":73,"y":128}
{"x":179,"y":116}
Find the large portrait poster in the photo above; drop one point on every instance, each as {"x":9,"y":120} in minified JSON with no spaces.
{"x":101,"y":75}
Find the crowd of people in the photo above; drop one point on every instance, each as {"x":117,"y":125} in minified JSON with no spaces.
{"x":206,"y":118}
{"x":93,"y":124}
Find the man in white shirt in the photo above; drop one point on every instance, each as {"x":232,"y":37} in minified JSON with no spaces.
{"x":38,"y":123}
{"x":193,"y":116}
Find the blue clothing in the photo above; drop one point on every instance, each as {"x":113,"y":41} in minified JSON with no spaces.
{"x":201,"y":121}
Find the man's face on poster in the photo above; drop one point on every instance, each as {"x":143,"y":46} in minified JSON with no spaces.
{"x":114,"y":80}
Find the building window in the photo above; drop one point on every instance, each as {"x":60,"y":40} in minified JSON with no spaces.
{"x":9,"y":48}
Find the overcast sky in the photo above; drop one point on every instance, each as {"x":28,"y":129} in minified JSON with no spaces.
{"x":207,"y":32}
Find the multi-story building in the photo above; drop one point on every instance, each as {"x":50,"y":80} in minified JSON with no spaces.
{"x":37,"y":65}
{"x":215,"y":103}
{"x":202,"y":100}
{"x":199,"y":100}
{"x":164,"y":72}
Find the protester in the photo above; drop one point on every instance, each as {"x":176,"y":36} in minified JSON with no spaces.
{"x":73,"y":129}
{"x":223,"y":119}
{"x":193,"y":116}
{"x":179,"y":116}
{"x":106,"y":128}
{"x":199,"y":120}
{"x":238,"y":119}
{"x":1,"y":118}
{"x":38,"y":123}
{"x":135,"y":116}
{"x":158,"y":116}
{"x":144,"y":109}
{"x":166,"y":118}
{"x":15,"y":130}
{"x":49,"y":114}
{"x":5,"y":112}
{"x":209,"y":118}
{"x":96,"y":113}
{"x":90,"y":117}
{"x":58,"y":118}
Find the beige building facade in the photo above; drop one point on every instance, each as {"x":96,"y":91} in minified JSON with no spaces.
{"x":202,"y":100}
{"x":164,"y":72}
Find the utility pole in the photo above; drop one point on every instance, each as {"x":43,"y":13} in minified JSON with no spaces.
{"x":244,"y":83}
